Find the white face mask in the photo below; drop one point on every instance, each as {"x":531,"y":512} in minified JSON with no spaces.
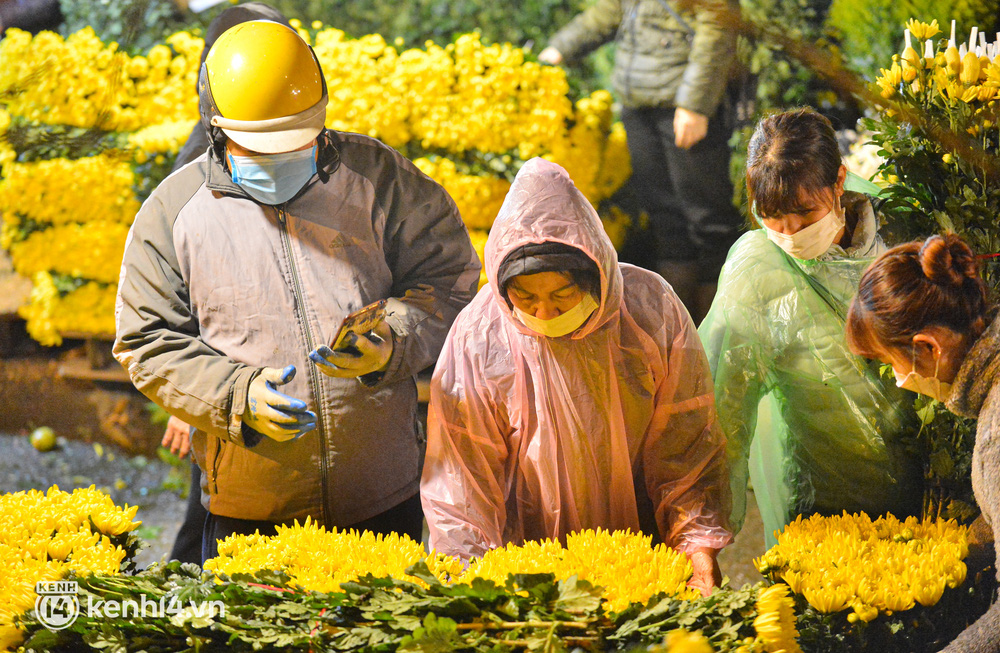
{"x":812,"y":241}
{"x":563,"y":324}
{"x":932,"y":387}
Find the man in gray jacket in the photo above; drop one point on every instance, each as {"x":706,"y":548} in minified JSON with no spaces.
{"x":242,"y":265}
{"x":672,"y":62}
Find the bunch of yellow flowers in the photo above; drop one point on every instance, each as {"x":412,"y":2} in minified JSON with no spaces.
{"x":965,"y":72}
{"x":79,"y":212}
{"x":317,"y":559}
{"x":870,"y":567}
{"x":45,"y":534}
{"x":624,"y":564}
{"x":83,"y":82}
{"x":49,"y":313}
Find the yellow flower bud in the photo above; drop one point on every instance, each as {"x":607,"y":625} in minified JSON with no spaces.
{"x":952,"y":59}
{"x":970,"y":69}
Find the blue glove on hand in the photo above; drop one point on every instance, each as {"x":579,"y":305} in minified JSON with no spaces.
{"x":371,"y":354}
{"x":272,"y":413}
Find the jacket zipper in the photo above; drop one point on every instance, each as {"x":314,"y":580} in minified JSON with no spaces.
{"x":315,"y":381}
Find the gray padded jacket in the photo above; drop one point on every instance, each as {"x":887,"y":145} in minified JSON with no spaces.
{"x":214,"y":287}
{"x":658,"y":62}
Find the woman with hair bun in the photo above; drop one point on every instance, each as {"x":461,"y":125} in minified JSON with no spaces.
{"x":923,"y":308}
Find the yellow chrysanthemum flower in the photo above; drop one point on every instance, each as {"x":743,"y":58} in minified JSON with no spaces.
{"x":624,"y":564}
{"x":923,"y":31}
{"x":44,"y":535}
{"x":681,"y":641}
{"x":775,"y":621}
{"x":885,"y":565}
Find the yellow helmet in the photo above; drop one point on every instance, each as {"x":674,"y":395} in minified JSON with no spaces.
{"x":263,"y":87}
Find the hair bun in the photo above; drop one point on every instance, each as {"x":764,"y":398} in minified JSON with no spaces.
{"x":947,"y":260}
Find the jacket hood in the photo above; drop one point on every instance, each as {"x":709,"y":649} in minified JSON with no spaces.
{"x":543,"y":205}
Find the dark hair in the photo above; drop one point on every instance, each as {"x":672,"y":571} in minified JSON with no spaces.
{"x":914,"y":286}
{"x":790,"y":152}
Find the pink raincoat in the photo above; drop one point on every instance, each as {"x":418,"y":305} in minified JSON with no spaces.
{"x":612,"y":426}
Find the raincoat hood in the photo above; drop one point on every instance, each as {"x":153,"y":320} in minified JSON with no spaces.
{"x":544,"y":205}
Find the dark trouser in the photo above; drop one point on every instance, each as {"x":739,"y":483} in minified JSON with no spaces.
{"x":404,"y":518}
{"x":687,"y":193}
{"x":187,"y":546}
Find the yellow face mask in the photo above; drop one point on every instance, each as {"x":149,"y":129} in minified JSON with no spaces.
{"x":563,"y":324}
{"x":932,"y":387}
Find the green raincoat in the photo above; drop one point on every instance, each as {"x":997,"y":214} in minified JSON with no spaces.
{"x":815,"y":427}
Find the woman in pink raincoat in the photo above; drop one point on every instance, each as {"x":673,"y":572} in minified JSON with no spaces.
{"x":572,"y":393}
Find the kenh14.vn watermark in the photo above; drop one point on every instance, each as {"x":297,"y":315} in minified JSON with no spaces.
{"x":58,"y":605}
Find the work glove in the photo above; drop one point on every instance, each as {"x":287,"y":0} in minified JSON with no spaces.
{"x":273,"y":413}
{"x":365,"y":354}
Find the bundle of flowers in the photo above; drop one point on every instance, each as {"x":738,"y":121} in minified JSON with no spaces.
{"x":624,"y":564}
{"x":319,"y":560}
{"x":44,"y":535}
{"x":858,"y":577}
{"x":870,"y":567}
{"x":939,"y":135}
{"x":86,"y":132}
{"x":836,"y":580}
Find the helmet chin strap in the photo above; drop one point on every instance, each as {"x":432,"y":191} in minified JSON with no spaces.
{"x":207,"y":109}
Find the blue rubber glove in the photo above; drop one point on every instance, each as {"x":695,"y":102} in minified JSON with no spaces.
{"x":272,"y":413}
{"x":371,"y":353}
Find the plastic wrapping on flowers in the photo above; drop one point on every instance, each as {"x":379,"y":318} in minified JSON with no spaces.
{"x":86,"y":132}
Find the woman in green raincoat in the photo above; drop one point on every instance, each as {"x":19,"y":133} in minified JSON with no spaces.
{"x":814,"y":426}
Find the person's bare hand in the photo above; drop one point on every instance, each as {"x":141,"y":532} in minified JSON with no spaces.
{"x":689,"y":127}
{"x":550,"y":56}
{"x":706,"y":574}
{"x":177,"y":437}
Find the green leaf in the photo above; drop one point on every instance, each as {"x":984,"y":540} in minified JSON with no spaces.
{"x":942,"y":463}
{"x":480,"y":589}
{"x":420,"y":570}
{"x":578,"y":596}
{"x":288,"y":610}
{"x":107,"y":638}
{"x":926,"y":412}
{"x":437,"y":635}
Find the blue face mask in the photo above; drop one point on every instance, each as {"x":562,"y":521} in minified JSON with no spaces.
{"x":274,"y":178}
